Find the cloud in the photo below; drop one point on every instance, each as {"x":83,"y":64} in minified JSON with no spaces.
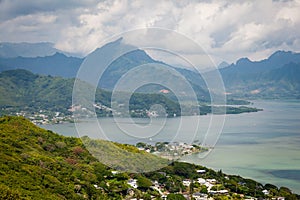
{"x":226,"y":30}
{"x":14,"y":8}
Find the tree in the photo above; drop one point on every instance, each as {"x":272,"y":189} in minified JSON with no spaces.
{"x":203,"y":189}
{"x":141,"y":145}
{"x":143,"y":182}
{"x":175,"y":197}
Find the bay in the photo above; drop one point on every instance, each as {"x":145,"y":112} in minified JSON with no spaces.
{"x":263,"y":146}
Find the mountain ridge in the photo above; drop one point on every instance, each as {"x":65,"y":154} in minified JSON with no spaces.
{"x":259,"y":79}
{"x":29,"y":50}
{"x":241,"y":79}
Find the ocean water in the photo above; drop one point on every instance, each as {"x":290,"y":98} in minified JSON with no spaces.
{"x":264,"y":146}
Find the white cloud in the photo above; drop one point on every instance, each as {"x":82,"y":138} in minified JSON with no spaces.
{"x":226,"y":30}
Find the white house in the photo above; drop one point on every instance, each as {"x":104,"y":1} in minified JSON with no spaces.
{"x":201,"y":171}
{"x":132,"y":183}
{"x":212,"y":181}
{"x":280,"y":198}
{"x":201,"y":181}
{"x":200,"y":196}
{"x":266,"y":192}
{"x":186,"y":182}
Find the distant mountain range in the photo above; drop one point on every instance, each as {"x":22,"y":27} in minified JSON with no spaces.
{"x":274,"y":77}
{"x":54,"y":65}
{"x":67,"y":67}
{"x":26,"y":49}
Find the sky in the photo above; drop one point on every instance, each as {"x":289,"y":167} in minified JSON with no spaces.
{"x":226,"y":30}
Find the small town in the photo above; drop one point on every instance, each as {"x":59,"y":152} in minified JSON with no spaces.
{"x":171,"y":151}
{"x":200,"y":188}
{"x":46,"y":117}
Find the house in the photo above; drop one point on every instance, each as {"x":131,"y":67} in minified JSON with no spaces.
{"x":163,"y":173}
{"x":222,"y":191}
{"x":212,"y":181}
{"x":97,"y":187}
{"x":132,"y":183}
{"x":201,"y":171}
{"x":280,"y":198}
{"x":186,"y":182}
{"x":148,"y":150}
{"x":266,"y":192}
{"x":114,"y":172}
{"x":218,"y":192}
{"x":199,"y":196}
{"x":201,"y":181}
{"x":208,"y":185}
{"x":164,"y":91}
{"x":130,"y":192}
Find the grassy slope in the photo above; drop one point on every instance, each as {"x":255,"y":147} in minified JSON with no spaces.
{"x":39,"y":164}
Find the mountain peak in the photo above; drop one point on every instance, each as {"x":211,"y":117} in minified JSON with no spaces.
{"x":280,"y":53}
{"x":58,"y":54}
{"x":243,"y":61}
{"x":223,"y":65}
{"x":119,"y":40}
{"x":113,"y":43}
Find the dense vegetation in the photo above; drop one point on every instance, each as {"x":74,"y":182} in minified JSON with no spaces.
{"x":23,"y":89}
{"x":39,"y":164}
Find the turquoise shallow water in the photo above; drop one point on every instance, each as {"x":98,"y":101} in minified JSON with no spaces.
{"x":264,"y":146}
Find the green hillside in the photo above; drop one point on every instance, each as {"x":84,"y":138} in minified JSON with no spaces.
{"x":22,"y":90}
{"x":39,"y":164}
{"x":33,"y":96}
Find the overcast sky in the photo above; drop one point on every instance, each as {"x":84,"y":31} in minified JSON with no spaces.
{"x":227,"y":30}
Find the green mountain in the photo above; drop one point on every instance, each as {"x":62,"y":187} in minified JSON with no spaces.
{"x":23,"y":90}
{"x":282,"y":82}
{"x":39,"y":164}
{"x":153,"y":70}
{"x":274,"y":77}
{"x":32,"y":94}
